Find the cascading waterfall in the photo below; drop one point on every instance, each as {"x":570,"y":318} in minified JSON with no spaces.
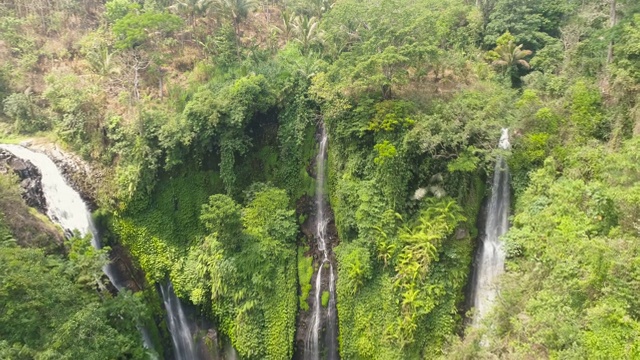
{"x":64,"y":205}
{"x":312,"y":344}
{"x":183,"y":343}
{"x":491,"y":255}
{"x":66,"y":208}
{"x":332,"y":318}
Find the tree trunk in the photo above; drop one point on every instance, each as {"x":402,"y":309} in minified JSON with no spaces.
{"x":161,"y":71}
{"x":386,"y":92}
{"x":236,"y":29}
{"x":136,"y":94}
{"x":613,"y":20}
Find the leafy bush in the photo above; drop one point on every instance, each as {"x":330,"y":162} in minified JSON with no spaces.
{"x":25,"y":114}
{"x":564,"y":289}
{"x":52,"y":309}
{"x":134,"y":29}
{"x":325,"y":298}
{"x":262,"y":265}
{"x":586,"y":112}
{"x":117,"y":9}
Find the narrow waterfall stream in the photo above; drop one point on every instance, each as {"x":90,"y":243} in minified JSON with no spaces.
{"x":491,"y":256}
{"x":326,"y":271}
{"x":66,"y":208}
{"x":184,"y":347}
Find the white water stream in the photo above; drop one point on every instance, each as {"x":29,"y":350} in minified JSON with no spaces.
{"x":312,"y":344}
{"x":184,"y":347}
{"x":64,"y":205}
{"x":491,"y":255}
{"x":66,"y":208}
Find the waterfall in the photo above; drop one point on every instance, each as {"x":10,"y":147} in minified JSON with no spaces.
{"x":332,"y":319}
{"x":64,"y":205}
{"x":183,"y":343}
{"x":491,"y":256}
{"x":183,"y":330}
{"x":66,"y":208}
{"x":312,"y":343}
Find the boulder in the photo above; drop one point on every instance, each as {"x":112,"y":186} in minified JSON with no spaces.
{"x":30,"y":179}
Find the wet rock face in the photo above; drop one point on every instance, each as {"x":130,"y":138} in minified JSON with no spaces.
{"x":78,"y":173}
{"x":30,"y":176}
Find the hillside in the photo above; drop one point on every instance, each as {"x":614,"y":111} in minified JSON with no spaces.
{"x":204,"y":122}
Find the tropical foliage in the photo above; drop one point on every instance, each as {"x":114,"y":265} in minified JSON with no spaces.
{"x":201,"y":118}
{"x":57,"y":306}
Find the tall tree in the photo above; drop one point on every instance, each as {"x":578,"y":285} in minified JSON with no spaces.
{"x":612,"y":23}
{"x":511,"y":56}
{"x":236,"y":10}
{"x":307,"y":32}
{"x":192,"y":9}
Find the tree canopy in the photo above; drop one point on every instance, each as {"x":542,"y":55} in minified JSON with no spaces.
{"x":201,"y":121}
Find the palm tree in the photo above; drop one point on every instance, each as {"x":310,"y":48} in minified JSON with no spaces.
{"x":287,"y":28}
{"x":192,"y":9}
{"x":410,"y":299}
{"x":386,"y":248}
{"x":355,"y":274}
{"x":307,"y":32}
{"x":237,"y":10}
{"x":511,"y":56}
{"x":101,"y":61}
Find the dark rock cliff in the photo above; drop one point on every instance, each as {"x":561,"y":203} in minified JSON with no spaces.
{"x":30,"y":179}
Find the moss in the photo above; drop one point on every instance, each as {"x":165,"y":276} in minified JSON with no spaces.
{"x":325,"y":298}
{"x":473,"y":203}
{"x":259,"y":166}
{"x":159,"y":233}
{"x":294,"y":159}
{"x":308,"y":184}
{"x":269,"y":157}
{"x":364,"y":317}
{"x":305,"y":272}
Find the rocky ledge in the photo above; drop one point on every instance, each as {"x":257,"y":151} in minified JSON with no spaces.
{"x":82,"y":177}
{"x":30,"y":179}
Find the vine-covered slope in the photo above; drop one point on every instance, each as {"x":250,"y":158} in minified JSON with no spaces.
{"x":201,"y":117}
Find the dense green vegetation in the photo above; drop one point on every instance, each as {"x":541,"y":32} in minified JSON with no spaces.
{"x":57,"y":306}
{"x":576,"y":230}
{"x":248,"y":257}
{"x":201,"y":117}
